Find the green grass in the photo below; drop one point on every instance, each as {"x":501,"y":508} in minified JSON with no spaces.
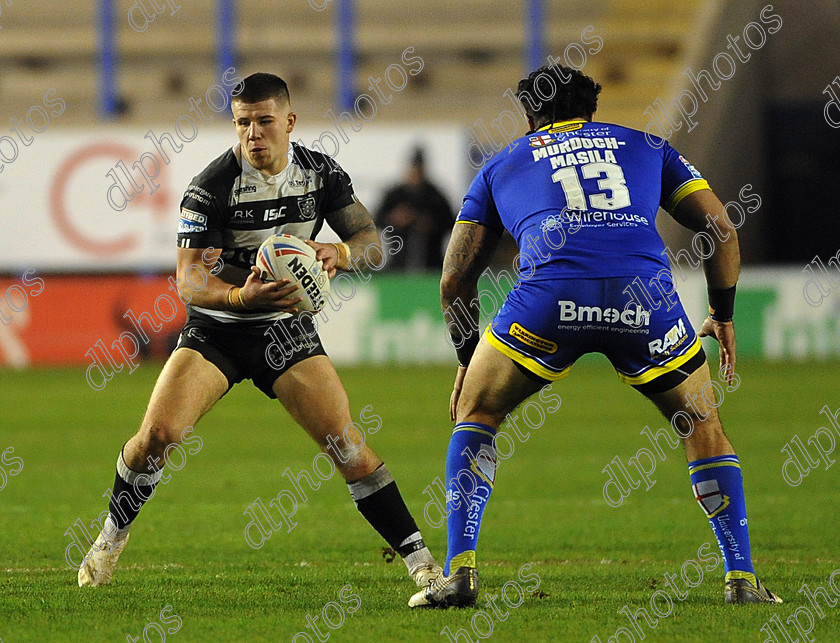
{"x":188,"y":550}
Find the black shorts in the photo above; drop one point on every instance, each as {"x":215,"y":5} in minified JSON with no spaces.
{"x":259,"y":351}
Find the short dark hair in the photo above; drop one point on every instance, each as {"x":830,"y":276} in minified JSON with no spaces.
{"x":570,"y":94}
{"x":261,"y":86}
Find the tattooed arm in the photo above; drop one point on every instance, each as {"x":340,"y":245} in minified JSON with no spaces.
{"x":467,"y":256}
{"x":355,"y":226}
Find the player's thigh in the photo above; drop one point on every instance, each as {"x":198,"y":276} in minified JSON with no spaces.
{"x":314,"y":396}
{"x":696,"y":420}
{"x":493,"y":387}
{"x":187,"y":387}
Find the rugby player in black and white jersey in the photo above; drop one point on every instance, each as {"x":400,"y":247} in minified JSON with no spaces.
{"x":262,"y":186}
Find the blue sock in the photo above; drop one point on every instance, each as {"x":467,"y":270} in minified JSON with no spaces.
{"x":719,"y":489}
{"x":470,"y":475}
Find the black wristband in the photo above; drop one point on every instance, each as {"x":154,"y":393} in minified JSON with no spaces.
{"x":466,"y":348}
{"x":722,"y":304}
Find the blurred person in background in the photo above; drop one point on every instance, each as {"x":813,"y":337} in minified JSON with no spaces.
{"x":420,"y":215}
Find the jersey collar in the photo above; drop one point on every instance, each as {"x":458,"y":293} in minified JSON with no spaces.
{"x":560,"y":123}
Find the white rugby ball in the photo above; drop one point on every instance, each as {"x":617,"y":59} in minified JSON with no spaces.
{"x":283,"y":256}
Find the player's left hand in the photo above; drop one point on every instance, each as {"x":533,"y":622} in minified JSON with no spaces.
{"x":327,"y":253}
{"x":724,"y":333}
{"x":456,"y":391}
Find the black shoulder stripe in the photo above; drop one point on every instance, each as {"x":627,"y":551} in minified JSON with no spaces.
{"x":217,"y":178}
{"x":309,"y":159}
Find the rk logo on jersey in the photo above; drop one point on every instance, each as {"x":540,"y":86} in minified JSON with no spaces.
{"x":306,"y":205}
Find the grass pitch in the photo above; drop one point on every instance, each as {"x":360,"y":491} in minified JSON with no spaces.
{"x":189,"y":575}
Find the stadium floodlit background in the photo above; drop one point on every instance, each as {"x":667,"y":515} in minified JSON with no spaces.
{"x":112,"y":106}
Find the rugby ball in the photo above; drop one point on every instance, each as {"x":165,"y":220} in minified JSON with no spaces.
{"x":283,"y":256}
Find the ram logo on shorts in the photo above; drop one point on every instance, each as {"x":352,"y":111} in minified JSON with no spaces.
{"x":673,"y":338}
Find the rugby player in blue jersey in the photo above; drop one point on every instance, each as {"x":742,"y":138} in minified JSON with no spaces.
{"x":581,"y":198}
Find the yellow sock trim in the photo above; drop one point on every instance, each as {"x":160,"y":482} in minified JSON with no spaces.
{"x":734,"y":574}
{"x":469,"y":427}
{"x":464,"y":559}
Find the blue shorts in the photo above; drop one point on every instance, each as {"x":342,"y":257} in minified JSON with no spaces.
{"x":545,"y":326}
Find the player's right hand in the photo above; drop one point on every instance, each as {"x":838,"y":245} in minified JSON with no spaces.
{"x":327,"y":254}
{"x":724,"y":333}
{"x":269,"y":295}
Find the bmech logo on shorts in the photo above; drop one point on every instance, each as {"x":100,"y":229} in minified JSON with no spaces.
{"x":530,"y":339}
{"x":673,"y":338}
{"x":636,"y":317}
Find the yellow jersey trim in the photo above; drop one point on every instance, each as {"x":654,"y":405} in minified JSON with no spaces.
{"x":652,"y":373}
{"x":684,"y":190}
{"x":562,"y":124}
{"x":528,"y":362}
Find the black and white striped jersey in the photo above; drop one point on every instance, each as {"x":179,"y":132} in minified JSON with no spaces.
{"x":235,"y":207}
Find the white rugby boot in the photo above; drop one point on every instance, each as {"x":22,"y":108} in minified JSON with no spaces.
{"x":460,"y":589}
{"x":427,"y":574}
{"x":100,"y":562}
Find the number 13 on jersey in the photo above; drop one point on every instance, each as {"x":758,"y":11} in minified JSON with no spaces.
{"x":614,"y":197}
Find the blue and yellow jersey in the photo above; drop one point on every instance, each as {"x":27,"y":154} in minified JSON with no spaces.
{"x":581,"y":199}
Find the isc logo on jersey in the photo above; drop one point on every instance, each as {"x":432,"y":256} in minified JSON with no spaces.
{"x":272,"y":214}
{"x":673,"y":338}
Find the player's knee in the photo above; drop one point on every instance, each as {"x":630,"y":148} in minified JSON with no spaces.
{"x":687,"y":421}
{"x":473,"y":409}
{"x":158,"y":435}
{"x":358,"y":465}
{"x":481,"y":417}
{"x":706,"y":434}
